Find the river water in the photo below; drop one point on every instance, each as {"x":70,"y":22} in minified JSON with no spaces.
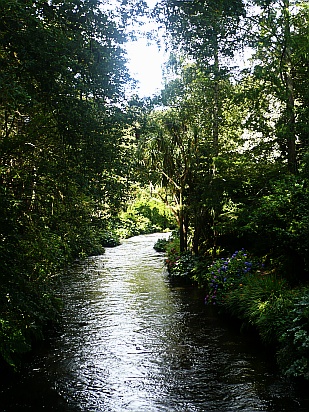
{"x":132,"y":341}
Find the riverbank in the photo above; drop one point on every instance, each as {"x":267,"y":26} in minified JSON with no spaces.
{"x":258,"y":297}
{"x":29,"y":305}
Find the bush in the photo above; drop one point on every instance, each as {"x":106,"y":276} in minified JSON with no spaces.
{"x":161,"y":245}
{"x":172,"y":251}
{"x":225,"y":275}
{"x":13,"y":341}
{"x":179,"y":265}
{"x":109,"y":238}
{"x":278,"y":225}
{"x":145,"y":214}
{"x":33,"y":257}
{"x":131,"y":223}
{"x":183,"y":266}
{"x":263,"y":301}
{"x":156,"y":211}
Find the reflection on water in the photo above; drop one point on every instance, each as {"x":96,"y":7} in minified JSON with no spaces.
{"x":132,"y":342}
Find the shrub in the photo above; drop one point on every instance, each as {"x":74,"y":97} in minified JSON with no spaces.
{"x":156,"y":211}
{"x":265,"y":301}
{"x":145,"y":214}
{"x":271,"y":313}
{"x":172,"y":251}
{"x":183,"y":266}
{"x":179,"y":265}
{"x":160,"y":245}
{"x":279,"y":224}
{"x":13,"y":341}
{"x":109,"y":238}
{"x":225,"y":275}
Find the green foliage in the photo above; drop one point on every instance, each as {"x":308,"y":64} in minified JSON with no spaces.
{"x":27,"y":299}
{"x":132,"y":223}
{"x":219,"y":146}
{"x":202,"y":29}
{"x":172,"y":251}
{"x":161,"y":245}
{"x":155,"y":210}
{"x":145,"y":214}
{"x":62,"y":73}
{"x":262,"y":301}
{"x":241,"y":287}
{"x":301,"y":59}
{"x":225,"y":275}
{"x":181,"y":266}
{"x":12,"y":341}
{"x":267,"y":303}
{"x":293,"y":354}
{"x":109,"y":238}
{"x":279,"y":222}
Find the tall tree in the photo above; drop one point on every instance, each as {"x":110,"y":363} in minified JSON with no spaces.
{"x":166,"y":152}
{"x":62,"y":80}
{"x":300,"y":41}
{"x":275,"y":54}
{"x":178,"y":147}
{"x":208,"y":32}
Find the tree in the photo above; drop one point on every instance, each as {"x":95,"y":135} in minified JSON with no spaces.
{"x":166,"y":154}
{"x":208,"y":32}
{"x":62,"y":84}
{"x":276,"y":54}
{"x":178,"y":151}
{"x":300,"y":41}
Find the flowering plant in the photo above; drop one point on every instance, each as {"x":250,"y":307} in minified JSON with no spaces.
{"x":227,"y":274}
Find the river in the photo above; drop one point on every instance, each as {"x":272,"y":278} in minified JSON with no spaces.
{"x":132,"y":341}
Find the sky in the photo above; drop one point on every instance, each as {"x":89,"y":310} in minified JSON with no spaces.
{"x":145,"y":65}
{"x":145,"y":62}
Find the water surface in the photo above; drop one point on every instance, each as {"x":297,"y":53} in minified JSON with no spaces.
{"x":131,"y":341}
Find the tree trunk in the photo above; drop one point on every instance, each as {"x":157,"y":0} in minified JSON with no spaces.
{"x":181,"y":224}
{"x":286,"y":68}
{"x":215,"y":131}
{"x":182,"y":231}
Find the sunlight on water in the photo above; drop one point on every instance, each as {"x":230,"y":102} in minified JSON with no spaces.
{"x":131,"y":341}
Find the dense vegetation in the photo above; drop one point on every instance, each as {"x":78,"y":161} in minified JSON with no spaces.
{"x":66,"y":170}
{"x":230,"y":145}
{"x":224,"y":148}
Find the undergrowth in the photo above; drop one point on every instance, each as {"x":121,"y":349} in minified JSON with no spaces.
{"x":241,"y":286}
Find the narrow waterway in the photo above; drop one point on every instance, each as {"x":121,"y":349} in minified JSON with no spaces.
{"x":131,"y":341}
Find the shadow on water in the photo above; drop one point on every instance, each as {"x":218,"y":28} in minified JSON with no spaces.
{"x":132,"y":341}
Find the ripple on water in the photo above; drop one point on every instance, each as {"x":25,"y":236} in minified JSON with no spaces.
{"x":131,"y":341}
